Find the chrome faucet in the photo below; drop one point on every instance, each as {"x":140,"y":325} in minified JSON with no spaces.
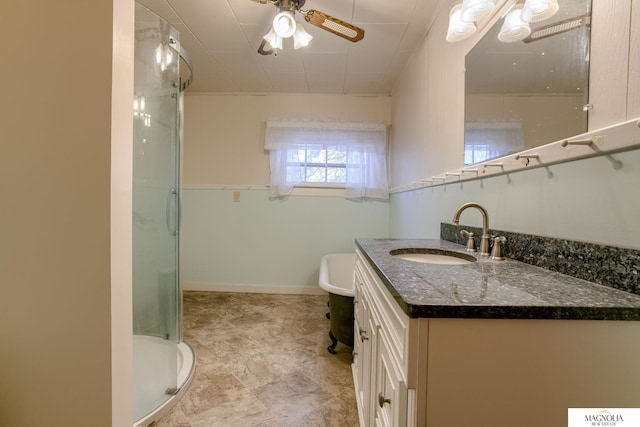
{"x":484,"y":240}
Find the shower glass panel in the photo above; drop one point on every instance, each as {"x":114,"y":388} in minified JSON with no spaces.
{"x":155,"y":212}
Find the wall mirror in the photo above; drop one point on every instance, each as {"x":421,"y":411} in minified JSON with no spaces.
{"x":528,"y":93}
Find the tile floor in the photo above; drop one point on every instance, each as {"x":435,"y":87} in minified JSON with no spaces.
{"x":262,"y":360}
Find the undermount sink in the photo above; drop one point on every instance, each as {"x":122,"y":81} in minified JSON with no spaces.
{"x":432,"y":256}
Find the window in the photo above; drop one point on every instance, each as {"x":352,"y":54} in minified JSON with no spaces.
{"x":484,"y":140}
{"x":328,"y":153}
{"x":318,"y":164}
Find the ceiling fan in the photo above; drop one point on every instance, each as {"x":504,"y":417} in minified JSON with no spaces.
{"x":314,"y":17}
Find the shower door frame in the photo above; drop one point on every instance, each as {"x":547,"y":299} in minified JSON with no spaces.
{"x":156,"y":216}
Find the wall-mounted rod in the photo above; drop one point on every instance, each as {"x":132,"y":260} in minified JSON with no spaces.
{"x":470,"y":171}
{"x":440,"y":178}
{"x":497,"y":165}
{"x":583,"y":142}
{"x":452,"y":174}
{"x":527,"y":156}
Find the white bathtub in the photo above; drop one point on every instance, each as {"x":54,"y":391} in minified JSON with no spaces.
{"x":337,"y":278}
{"x":336,"y":274}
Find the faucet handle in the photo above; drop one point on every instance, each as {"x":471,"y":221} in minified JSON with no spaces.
{"x":470,"y":241}
{"x":496,"y":252}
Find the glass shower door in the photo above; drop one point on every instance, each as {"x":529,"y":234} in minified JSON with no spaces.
{"x":155,"y":213}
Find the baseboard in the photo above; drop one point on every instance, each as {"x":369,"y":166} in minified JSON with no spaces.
{"x":257,"y":289}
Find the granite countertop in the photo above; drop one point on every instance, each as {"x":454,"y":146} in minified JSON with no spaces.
{"x":490,"y":289}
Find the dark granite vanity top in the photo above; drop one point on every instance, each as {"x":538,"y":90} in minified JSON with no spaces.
{"x":490,"y":289}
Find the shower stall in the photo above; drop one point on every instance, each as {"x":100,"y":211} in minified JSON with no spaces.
{"x":163,"y":363}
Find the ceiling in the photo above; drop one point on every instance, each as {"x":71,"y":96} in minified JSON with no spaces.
{"x":222,"y":38}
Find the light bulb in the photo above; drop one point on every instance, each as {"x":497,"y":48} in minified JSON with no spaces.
{"x":514,"y":28}
{"x":284,"y":24}
{"x":539,"y":10}
{"x":458,"y":30}
{"x":301,"y":38}
{"x":274,"y":40}
{"x":475,"y":10}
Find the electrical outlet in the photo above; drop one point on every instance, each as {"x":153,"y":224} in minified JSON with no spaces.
{"x":236,"y":196}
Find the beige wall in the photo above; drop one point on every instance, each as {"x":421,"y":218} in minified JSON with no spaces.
{"x":224,"y":134}
{"x":55,"y":279}
{"x":121,"y":208}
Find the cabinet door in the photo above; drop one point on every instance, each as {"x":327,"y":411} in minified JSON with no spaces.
{"x":390,"y":391}
{"x":357,"y":368}
{"x":362,"y":352}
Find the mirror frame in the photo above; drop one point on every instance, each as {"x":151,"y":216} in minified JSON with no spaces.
{"x":566,"y":115}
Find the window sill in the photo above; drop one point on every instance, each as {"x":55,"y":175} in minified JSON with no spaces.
{"x":318,"y":191}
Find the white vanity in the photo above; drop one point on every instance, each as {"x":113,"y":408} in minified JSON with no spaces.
{"x":489,"y":343}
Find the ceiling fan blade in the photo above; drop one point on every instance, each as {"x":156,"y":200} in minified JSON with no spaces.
{"x":261,"y":48}
{"x":558,"y":28}
{"x":334,"y":25}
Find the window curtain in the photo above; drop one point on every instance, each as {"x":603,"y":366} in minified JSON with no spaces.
{"x":364,"y":142}
{"x":484,"y":140}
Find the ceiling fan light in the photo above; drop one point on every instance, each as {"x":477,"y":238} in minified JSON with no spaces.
{"x":539,"y":10}
{"x":458,"y":29}
{"x":301,"y":38}
{"x":274,"y":40}
{"x":514,"y":28}
{"x":475,"y":10}
{"x":284,"y":24}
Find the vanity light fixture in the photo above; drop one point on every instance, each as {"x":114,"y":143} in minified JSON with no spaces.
{"x":463,"y":18}
{"x":539,"y":10}
{"x":458,"y":29}
{"x":514,"y":28}
{"x":285,"y":26}
{"x":474,"y":10}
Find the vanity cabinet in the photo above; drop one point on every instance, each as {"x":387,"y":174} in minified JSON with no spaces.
{"x":380,"y":352}
{"x":450,"y":371}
